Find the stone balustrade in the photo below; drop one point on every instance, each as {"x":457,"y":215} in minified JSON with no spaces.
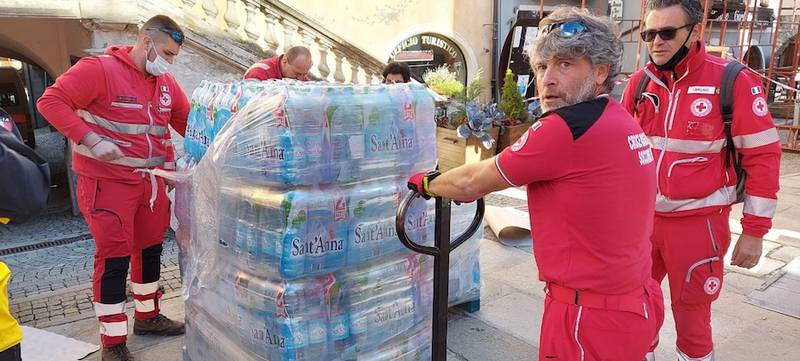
{"x":274,"y":26}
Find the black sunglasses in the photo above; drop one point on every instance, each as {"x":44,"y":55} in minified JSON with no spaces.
{"x":174,"y":34}
{"x":566,"y":29}
{"x":664,"y":34}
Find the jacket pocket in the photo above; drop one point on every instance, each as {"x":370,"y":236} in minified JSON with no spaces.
{"x":690,"y":176}
{"x":86,"y":193}
{"x":703,"y":281}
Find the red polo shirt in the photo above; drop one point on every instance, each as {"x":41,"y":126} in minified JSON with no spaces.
{"x":590,"y":179}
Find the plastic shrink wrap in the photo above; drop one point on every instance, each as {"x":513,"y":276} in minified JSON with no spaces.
{"x":289,"y":249}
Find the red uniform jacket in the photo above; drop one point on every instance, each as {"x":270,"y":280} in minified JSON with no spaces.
{"x":110,"y":96}
{"x":680,"y":113}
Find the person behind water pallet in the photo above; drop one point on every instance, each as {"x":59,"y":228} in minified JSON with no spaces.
{"x":295,"y":64}
{"x":590,"y":178}
{"x":686,"y":107}
{"x":120,"y":133}
{"x":395,"y":73}
{"x":24,"y":189}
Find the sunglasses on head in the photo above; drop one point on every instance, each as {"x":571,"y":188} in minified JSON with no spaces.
{"x":664,"y":34}
{"x":566,"y":29}
{"x":174,"y":34}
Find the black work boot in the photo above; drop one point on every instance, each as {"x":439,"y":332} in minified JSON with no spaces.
{"x":159,"y":325}
{"x":116,"y":353}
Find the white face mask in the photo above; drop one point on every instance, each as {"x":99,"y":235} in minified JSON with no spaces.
{"x":157,"y":67}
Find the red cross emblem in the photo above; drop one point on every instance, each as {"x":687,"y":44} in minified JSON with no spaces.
{"x":166,"y":99}
{"x":712,"y":285}
{"x":701,"y":107}
{"x":760,"y":107}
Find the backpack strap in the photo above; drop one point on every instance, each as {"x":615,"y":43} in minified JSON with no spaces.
{"x":637,"y":98}
{"x":732,"y":70}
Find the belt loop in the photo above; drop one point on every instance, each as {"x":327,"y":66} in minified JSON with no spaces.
{"x":576,"y":296}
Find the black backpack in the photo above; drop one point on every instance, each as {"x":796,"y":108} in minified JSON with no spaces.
{"x":24,"y":176}
{"x":732,"y":70}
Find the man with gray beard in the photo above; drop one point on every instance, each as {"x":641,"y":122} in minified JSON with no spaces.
{"x":590,"y":180}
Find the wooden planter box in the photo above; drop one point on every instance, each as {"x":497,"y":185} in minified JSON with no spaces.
{"x":509,"y":135}
{"x":454,"y":151}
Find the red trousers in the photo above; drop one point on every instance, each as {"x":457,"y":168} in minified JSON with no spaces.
{"x":690,"y":252}
{"x":573,"y":332}
{"x":126,"y":232}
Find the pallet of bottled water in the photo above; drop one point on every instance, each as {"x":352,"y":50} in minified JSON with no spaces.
{"x":291,"y":251}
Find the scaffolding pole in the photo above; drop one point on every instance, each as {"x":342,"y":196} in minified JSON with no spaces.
{"x":775,"y":31}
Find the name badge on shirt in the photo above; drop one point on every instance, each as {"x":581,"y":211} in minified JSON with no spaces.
{"x":702,"y":90}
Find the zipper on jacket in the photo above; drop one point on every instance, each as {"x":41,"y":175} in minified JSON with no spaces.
{"x":667,"y":119}
{"x":147,"y":134}
{"x":684,"y":161}
{"x":666,"y":141}
{"x":674,"y":109}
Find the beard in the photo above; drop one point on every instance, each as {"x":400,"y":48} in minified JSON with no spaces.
{"x":586,"y":91}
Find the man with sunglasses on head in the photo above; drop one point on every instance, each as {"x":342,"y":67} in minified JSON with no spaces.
{"x":680,"y":110}
{"x":295,"y":64}
{"x":116,"y":109}
{"x":590,"y":180}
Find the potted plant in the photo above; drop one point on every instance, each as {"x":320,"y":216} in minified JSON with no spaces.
{"x":444,"y":84}
{"x":465,"y":133}
{"x":514,"y":117}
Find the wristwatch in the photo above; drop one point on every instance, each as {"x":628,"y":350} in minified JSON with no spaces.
{"x":429,"y":177}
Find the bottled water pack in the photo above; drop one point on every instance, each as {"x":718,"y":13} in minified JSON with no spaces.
{"x":292,"y":251}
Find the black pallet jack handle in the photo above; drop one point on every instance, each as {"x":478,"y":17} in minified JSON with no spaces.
{"x":441,"y":260}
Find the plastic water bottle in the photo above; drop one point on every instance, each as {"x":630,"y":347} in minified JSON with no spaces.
{"x":304,"y":113}
{"x":406,"y":128}
{"x":372,"y":233}
{"x":345,"y":114}
{"x":326,"y":230}
{"x":425,"y":125}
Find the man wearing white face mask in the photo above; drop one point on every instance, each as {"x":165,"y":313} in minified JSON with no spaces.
{"x":116,"y":109}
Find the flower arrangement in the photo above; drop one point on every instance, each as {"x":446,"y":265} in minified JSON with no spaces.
{"x":443,"y":82}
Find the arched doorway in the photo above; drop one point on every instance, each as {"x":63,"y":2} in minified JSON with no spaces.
{"x":34,"y":52}
{"x":428,"y":51}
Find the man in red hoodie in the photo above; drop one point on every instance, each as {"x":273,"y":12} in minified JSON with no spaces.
{"x":116,"y":110}
{"x":295,"y":64}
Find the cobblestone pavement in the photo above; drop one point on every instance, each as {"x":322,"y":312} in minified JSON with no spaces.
{"x":52,"y":285}
{"x":44,"y":228}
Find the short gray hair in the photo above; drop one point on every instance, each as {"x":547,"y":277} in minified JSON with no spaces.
{"x":692,"y":8}
{"x":600,"y":43}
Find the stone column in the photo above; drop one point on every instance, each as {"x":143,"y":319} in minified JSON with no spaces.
{"x":251,"y":25}
{"x":232,"y":18}
{"x":338,"y":75}
{"x":289,"y":29}
{"x":210,"y":8}
{"x":269,"y":35}
{"x":322,"y":67}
